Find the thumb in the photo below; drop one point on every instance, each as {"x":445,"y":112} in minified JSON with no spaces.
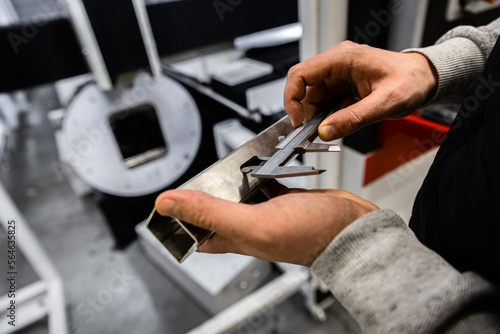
{"x":345,"y":121}
{"x":203,"y":210}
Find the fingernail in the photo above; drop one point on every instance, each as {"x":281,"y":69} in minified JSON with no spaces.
{"x":328,"y":132}
{"x":169,"y":207}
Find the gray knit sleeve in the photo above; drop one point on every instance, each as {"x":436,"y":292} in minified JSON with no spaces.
{"x":390,"y":283}
{"x":459,"y":57}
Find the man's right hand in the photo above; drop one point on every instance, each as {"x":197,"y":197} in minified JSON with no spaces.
{"x":294,"y":226}
{"x":385,"y":84}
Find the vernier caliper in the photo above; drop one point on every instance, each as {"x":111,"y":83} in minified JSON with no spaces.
{"x":237,"y":176}
{"x":299,"y":141}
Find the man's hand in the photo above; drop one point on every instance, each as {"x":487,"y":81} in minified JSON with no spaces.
{"x":387,"y":85}
{"x":295,"y":226}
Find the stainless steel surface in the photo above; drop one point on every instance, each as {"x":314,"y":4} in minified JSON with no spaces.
{"x":225,"y":180}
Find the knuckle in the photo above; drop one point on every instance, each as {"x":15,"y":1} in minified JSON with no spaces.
{"x":203,"y":219}
{"x":347,"y":45}
{"x":198,"y":214}
{"x":294,"y":71}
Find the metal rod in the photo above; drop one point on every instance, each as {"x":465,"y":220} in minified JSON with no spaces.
{"x":88,"y":41}
{"x":147,"y":37}
{"x":27,"y":242}
{"x":223,"y":179}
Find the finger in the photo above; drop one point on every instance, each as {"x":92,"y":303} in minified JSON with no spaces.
{"x":347,"y":120}
{"x":333,"y":66}
{"x":295,"y":91}
{"x":316,"y":97}
{"x":214,"y":214}
{"x":308,"y":73}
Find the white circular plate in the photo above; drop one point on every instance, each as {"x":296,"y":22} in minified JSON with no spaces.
{"x":93,"y":150}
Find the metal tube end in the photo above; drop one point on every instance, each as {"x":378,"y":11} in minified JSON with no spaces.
{"x":179,"y":238}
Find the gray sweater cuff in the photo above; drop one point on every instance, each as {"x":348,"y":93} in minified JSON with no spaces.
{"x":459,"y":57}
{"x":459,"y":63}
{"x":386,"y":278}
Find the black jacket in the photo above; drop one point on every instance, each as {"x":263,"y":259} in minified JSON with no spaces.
{"x":457,"y":210}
